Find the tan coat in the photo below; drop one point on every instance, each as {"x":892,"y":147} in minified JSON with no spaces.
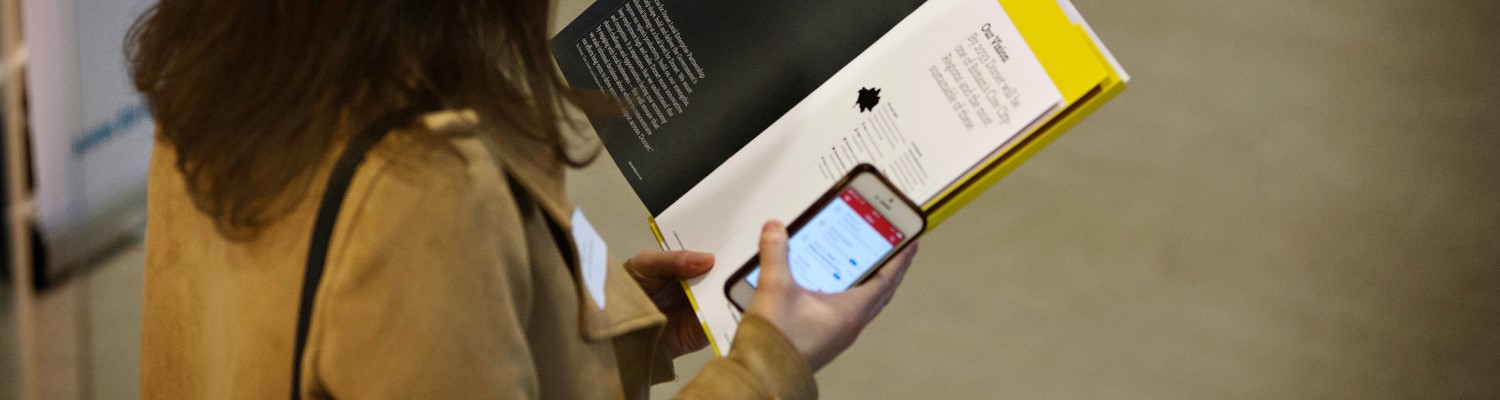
{"x":447,"y":278}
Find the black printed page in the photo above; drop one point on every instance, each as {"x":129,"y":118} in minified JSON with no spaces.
{"x":702,"y":78}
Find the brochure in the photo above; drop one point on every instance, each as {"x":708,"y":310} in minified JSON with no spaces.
{"x":734,"y":113}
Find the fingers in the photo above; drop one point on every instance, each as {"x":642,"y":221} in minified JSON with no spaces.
{"x":893,"y":279}
{"x":873,"y":295}
{"x":894,"y":273}
{"x":671,"y":265}
{"x":773,"y":253}
{"x":686,"y":333}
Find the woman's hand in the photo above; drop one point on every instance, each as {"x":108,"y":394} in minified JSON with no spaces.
{"x":819,"y":325}
{"x":658,"y":273}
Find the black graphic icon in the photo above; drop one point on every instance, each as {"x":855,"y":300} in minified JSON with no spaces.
{"x":868,"y":99}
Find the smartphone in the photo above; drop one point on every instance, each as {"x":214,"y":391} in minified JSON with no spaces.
{"x":843,"y":238}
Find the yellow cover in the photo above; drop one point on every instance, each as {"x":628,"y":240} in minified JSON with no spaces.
{"x":1082,"y":74}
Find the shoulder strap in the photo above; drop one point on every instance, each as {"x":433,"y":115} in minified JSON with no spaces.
{"x":328,"y":213}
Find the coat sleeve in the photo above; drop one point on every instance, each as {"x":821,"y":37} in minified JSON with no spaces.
{"x":762,"y":365}
{"x":427,"y":293}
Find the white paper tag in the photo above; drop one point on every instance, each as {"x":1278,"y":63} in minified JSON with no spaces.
{"x":592,"y":254}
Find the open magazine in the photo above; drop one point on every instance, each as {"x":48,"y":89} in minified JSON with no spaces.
{"x":740,"y":112}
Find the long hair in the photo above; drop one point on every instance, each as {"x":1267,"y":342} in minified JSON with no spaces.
{"x":252,"y":95}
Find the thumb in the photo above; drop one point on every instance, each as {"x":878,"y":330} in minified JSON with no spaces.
{"x":773,"y":254}
{"x":655,"y":270}
{"x":671,"y":265}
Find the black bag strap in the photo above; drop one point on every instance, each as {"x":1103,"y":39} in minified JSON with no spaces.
{"x":328,"y":213}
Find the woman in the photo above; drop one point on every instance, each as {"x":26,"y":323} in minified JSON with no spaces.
{"x":449,"y":269}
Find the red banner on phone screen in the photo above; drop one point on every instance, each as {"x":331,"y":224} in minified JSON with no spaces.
{"x":872,"y":217}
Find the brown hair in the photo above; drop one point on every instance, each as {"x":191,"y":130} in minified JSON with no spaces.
{"x":253,"y":94}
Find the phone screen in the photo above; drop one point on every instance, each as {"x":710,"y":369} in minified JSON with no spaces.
{"x":834,"y":249}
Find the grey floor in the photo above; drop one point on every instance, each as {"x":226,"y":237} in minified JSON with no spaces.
{"x":1292,"y":200}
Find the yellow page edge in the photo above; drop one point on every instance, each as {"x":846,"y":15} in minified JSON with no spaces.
{"x":662,"y":241}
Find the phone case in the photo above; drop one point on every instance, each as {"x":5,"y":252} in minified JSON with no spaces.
{"x":806,"y":216}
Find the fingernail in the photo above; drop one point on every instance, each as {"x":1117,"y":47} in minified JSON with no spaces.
{"x":701,"y":260}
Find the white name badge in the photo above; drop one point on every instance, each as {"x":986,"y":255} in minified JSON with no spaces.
{"x":592,"y":254}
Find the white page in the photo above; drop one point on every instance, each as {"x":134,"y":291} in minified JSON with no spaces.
{"x":915,"y":136}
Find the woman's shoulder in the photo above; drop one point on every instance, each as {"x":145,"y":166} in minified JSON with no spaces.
{"x":442,"y":151}
{"x":425,"y":193}
{"x":450,"y":156}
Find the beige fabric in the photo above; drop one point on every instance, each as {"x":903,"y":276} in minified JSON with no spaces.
{"x":448,"y":276}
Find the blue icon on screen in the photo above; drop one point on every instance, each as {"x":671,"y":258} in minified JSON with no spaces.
{"x":851,"y":262}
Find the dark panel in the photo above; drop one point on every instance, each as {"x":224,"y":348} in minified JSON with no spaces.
{"x":758,"y":60}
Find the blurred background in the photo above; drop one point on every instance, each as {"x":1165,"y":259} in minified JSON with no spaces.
{"x":1292,"y":200}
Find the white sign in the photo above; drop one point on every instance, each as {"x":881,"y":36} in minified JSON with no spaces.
{"x":592,"y":256}
{"x":91,"y":133}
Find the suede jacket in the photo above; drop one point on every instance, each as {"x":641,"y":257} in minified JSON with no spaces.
{"x":450,"y":274}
